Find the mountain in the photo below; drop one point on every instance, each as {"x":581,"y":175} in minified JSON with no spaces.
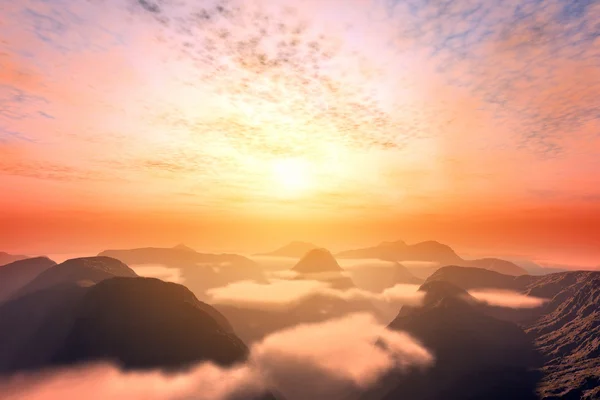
{"x":497,"y":265}
{"x":475,"y":278}
{"x":317,"y":261}
{"x":376,"y":279}
{"x":136,"y":322}
{"x":6,"y":258}
{"x":319,"y":264}
{"x":17,"y":274}
{"x":182,"y":246}
{"x":174,"y":257}
{"x":147,"y":323}
{"x":564,"y":330}
{"x":293,"y":250}
{"x":568,"y":333}
{"x":400,"y":251}
{"x":86,"y":270}
{"x":477,"y":356}
{"x":431,"y":251}
{"x":199,"y":271}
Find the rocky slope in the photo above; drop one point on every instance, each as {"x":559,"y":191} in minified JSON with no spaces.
{"x":565,"y":331}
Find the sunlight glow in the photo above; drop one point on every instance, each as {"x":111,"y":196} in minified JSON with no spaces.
{"x":292,"y":175}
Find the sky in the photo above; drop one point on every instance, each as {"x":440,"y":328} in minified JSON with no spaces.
{"x":240,"y":125}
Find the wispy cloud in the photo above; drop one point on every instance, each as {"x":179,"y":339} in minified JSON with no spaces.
{"x":507,"y":298}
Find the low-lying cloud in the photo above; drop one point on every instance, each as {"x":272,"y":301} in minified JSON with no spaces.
{"x":321,"y":361}
{"x":159,"y":271}
{"x":354,"y":264}
{"x":506,"y":298}
{"x":281,"y":294}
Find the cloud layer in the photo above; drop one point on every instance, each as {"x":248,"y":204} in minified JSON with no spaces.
{"x":318,"y":361}
{"x":281,"y":294}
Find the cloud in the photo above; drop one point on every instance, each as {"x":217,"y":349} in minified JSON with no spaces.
{"x":167,"y":274}
{"x":281,"y":294}
{"x":354,"y":264}
{"x":103,"y":381}
{"x":325,"y":360}
{"x":283,"y":274}
{"x":318,"y":361}
{"x":506,"y":298}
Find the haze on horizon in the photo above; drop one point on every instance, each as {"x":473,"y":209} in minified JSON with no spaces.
{"x":241,"y":125}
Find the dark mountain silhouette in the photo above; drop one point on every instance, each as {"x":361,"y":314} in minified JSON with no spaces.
{"x":17,"y":274}
{"x":294,"y":249}
{"x":136,"y":322}
{"x":146,"y":323}
{"x":377,"y":279}
{"x":477,"y":356}
{"x":431,"y":251}
{"x":86,"y":271}
{"x":6,"y":258}
{"x":39,"y":323}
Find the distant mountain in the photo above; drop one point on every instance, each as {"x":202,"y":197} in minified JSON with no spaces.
{"x":200,"y":271}
{"x":6,"y":258}
{"x":477,"y":356}
{"x":400,"y":251}
{"x":317,"y":261}
{"x":497,"y":265}
{"x":17,"y":274}
{"x":431,"y":251}
{"x":377,"y":279}
{"x":182,"y":246}
{"x":319,"y":264}
{"x":293,"y":250}
{"x":178,"y":256}
{"x":86,"y":271}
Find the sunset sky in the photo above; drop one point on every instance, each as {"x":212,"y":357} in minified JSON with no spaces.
{"x":241,"y":125}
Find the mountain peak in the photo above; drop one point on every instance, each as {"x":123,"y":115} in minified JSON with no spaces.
{"x":317,"y":260}
{"x":294,"y":249}
{"x":182,"y":246}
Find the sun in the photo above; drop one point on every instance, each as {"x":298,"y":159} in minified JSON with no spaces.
{"x":292,"y":175}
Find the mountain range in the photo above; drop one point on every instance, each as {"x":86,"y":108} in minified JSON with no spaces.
{"x":428,"y":251}
{"x":98,"y":309}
